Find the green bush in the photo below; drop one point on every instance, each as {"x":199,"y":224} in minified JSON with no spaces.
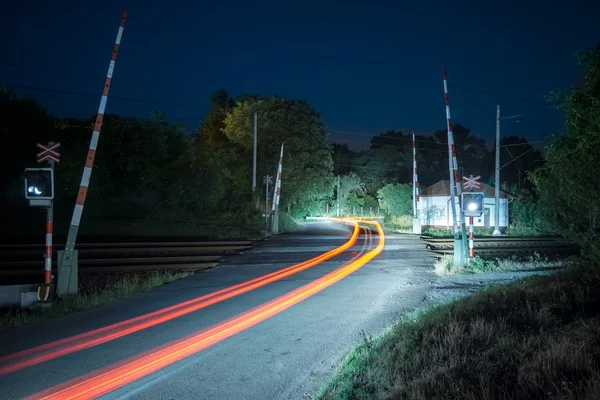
{"x":286,"y":223}
{"x":402,"y":223}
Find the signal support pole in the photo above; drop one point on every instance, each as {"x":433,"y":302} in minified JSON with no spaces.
{"x":267,"y":180}
{"x":49,"y":154}
{"x":49,"y":231}
{"x":471,"y":244}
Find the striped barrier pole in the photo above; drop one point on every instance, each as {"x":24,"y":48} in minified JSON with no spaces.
{"x":455,"y":190}
{"x":452,"y":162}
{"x":68,"y":267}
{"x":471,"y":243}
{"x":277,"y":194}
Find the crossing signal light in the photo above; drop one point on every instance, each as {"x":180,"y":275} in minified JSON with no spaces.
{"x":39,"y":183}
{"x":472,"y":204}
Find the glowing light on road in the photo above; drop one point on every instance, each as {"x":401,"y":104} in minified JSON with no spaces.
{"x":49,"y":351}
{"x":113,"y":377}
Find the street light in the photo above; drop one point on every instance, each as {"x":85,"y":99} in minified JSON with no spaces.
{"x":516,"y":118}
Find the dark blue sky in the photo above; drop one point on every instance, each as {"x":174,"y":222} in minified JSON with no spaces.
{"x":366,"y":66}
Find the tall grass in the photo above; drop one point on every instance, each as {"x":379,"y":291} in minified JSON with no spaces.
{"x":399,"y":223}
{"x":535,"y":338}
{"x":93,"y":292}
{"x":445,"y":264}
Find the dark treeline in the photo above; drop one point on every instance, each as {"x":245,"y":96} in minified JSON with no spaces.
{"x":151,"y":177}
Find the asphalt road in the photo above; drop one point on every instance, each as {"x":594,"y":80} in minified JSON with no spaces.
{"x":287,"y":356}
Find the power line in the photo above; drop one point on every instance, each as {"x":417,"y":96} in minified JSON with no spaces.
{"x":99,"y":10}
{"x":503,"y":95}
{"x":383,"y":136}
{"x":68,"y":92}
{"x":47,"y":69}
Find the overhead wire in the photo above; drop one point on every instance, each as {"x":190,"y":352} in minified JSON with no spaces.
{"x":69,"y":92}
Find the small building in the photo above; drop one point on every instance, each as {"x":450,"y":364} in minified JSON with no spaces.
{"x":435,"y":211}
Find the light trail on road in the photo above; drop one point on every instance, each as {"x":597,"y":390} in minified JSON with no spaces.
{"x":112,"y":377}
{"x":36,"y":355}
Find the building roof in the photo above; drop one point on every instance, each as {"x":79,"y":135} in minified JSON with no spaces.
{"x":442,"y":188}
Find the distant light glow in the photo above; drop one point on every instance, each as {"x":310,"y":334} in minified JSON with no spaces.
{"x":472,"y":206}
{"x":112,"y":377}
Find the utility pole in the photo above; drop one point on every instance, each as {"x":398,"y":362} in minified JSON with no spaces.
{"x":254,"y":155}
{"x":498,"y":168}
{"x":497,"y":177}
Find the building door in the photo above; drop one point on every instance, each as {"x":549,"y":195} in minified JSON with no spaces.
{"x":486,"y":218}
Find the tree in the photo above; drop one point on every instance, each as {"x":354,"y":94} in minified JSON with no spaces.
{"x":396,"y":199}
{"x":382,"y":165}
{"x":568,"y":181}
{"x":307,"y":164}
{"x":343,"y":158}
{"x":350,"y":192}
{"x":471,"y":150}
{"x":210,"y":132}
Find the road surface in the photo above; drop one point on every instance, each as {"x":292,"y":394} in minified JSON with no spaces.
{"x":286,"y":356}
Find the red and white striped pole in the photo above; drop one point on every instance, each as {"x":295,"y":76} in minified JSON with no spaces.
{"x":64,"y":275}
{"x":277,"y":194}
{"x":471,"y":243}
{"x":277,"y":189}
{"x":48,"y":254}
{"x":453,"y":164}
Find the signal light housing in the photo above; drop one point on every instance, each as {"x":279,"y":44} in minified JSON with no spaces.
{"x":472,"y":203}
{"x":39,"y":183}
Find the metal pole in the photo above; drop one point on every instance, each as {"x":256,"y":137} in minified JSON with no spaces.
{"x":471,"y":244}
{"x":67,"y":267}
{"x":254,"y":154}
{"x":49,"y":230}
{"x":497,"y":178}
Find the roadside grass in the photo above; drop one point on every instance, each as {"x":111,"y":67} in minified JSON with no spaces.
{"x":93,"y":292}
{"x":487,"y":232}
{"x":445,"y":264}
{"x":286,"y":223}
{"x":535,"y":338}
{"x":399,"y":223}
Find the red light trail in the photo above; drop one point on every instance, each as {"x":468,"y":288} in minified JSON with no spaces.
{"x":36,"y":355}
{"x":112,"y":377}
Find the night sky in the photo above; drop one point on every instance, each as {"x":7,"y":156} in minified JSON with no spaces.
{"x":367,"y":67}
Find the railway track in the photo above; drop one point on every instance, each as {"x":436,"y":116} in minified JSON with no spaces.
{"x":24,"y":260}
{"x":506,"y":246}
